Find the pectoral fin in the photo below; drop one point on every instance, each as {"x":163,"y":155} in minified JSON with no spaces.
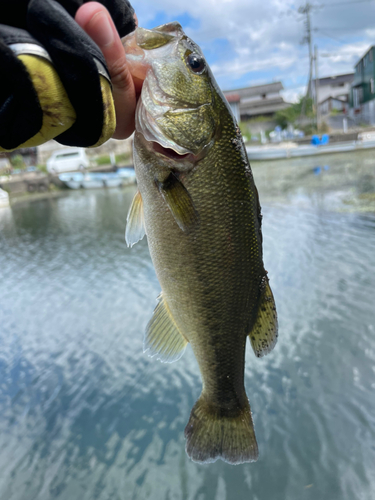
{"x":163,"y":338}
{"x":263,"y":336}
{"x":135,"y":224}
{"x":179,"y":202}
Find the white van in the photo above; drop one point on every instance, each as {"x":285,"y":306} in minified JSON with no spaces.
{"x":66,"y":160}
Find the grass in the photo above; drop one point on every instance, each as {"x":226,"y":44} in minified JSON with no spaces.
{"x":103,"y":160}
{"x":42,"y":168}
{"x":120,"y":158}
{"x":260,"y":118}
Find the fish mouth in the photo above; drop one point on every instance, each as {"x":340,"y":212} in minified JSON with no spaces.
{"x":152,"y":105}
{"x":170,"y":153}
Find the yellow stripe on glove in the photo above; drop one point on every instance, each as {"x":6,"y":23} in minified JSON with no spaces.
{"x":58,"y":112}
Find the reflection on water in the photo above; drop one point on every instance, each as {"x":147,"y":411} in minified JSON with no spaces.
{"x":85,"y":415}
{"x":342,"y":182}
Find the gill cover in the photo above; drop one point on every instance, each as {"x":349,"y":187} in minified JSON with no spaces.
{"x":176,"y":105}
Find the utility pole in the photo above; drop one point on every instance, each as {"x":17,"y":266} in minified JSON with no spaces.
{"x":308,"y":39}
{"x":316,"y":87}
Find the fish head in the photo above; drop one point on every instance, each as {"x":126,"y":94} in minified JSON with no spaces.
{"x":175,"y":113}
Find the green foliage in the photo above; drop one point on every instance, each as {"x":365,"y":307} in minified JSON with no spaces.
{"x":260,"y":118}
{"x":123,"y":158}
{"x":335,"y":112}
{"x":42,"y":168}
{"x":245,"y":130}
{"x":290,"y":115}
{"x":105,"y":159}
{"x":17,"y":161}
{"x":309,"y":129}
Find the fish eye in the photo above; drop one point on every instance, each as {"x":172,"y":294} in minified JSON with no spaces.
{"x":196,"y":63}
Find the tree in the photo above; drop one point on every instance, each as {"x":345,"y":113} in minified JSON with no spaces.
{"x":290,"y":115}
{"x":17,"y":161}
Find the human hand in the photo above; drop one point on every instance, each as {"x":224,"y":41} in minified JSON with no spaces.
{"x":96,"y":21}
{"x":54,"y":87}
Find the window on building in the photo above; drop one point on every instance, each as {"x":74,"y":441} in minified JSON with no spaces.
{"x":370,"y":55}
{"x":365,"y":61}
{"x":372,"y":86}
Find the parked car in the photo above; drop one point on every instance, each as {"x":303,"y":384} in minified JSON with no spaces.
{"x":67,"y":160}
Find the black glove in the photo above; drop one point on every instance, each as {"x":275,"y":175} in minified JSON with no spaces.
{"x":54,"y":81}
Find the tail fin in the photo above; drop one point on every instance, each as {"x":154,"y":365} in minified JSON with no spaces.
{"x":212,"y":434}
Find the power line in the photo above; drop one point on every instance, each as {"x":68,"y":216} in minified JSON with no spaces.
{"x":330,"y":36}
{"x":339,"y":29}
{"x":340,"y":4}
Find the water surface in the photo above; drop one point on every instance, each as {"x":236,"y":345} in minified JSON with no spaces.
{"x":85,"y":415}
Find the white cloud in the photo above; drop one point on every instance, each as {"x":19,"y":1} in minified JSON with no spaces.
{"x":294,"y":94}
{"x":263,"y":36}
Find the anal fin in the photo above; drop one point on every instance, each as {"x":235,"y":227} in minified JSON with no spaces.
{"x":135,"y":224}
{"x":163,"y":338}
{"x":263,"y":335}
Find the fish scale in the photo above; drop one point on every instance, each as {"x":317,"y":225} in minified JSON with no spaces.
{"x":203,"y":224}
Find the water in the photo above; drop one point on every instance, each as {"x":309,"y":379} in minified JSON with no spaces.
{"x":85,"y":415}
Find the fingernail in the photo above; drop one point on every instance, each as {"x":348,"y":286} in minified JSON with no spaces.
{"x":103,"y":34}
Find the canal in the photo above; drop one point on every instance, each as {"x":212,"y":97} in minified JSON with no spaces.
{"x":85,"y":415}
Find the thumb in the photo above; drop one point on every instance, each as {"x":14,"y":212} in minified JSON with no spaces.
{"x":96,"y":21}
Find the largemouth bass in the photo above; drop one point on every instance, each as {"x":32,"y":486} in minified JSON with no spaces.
{"x":198,"y":205}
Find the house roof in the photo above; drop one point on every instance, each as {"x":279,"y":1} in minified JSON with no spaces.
{"x":367,"y":51}
{"x":256,"y":90}
{"x":337,"y":98}
{"x":336,"y":79}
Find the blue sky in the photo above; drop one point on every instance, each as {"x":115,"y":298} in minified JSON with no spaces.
{"x":249,"y":42}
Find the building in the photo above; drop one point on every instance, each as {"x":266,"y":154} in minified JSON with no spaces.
{"x":333,"y":92}
{"x":111,"y":146}
{"x":234,"y":101}
{"x":261,"y":100}
{"x":362,"y":97}
{"x":333,"y":103}
{"x":29,"y":155}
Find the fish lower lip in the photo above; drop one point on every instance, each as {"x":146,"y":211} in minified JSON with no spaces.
{"x":169,"y":153}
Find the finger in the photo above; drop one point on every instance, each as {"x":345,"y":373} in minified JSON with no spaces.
{"x":96,"y":21}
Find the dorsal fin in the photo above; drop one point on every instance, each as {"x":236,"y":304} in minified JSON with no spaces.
{"x":163,"y":339}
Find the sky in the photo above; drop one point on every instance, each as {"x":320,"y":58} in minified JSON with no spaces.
{"x":251,"y":42}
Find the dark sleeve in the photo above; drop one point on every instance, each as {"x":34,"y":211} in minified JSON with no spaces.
{"x":76,"y":58}
{"x":14,"y":12}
